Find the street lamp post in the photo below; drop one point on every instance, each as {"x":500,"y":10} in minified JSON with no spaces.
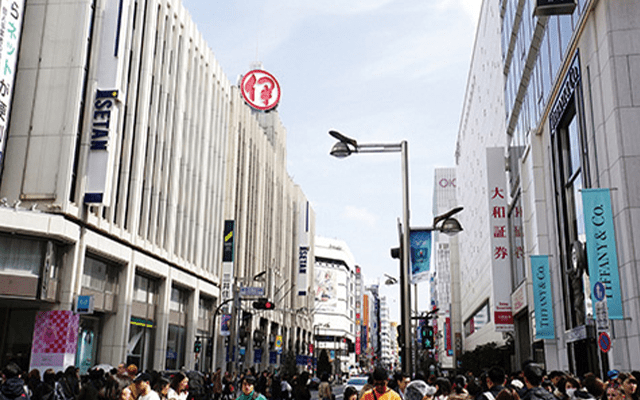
{"x":344,"y":148}
{"x":448,"y":225}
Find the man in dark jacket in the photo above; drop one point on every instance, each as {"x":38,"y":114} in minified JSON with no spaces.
{"x":495,"y":381}
{"x":13,"y":386}
{"x":533,"y":375}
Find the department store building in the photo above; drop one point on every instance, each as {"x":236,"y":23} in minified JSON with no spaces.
{"x":125,"y":149}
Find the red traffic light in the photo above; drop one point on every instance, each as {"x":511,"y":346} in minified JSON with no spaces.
{"x":263,"y":304}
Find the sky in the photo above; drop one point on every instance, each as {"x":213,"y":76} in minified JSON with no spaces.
{"x":378,"y":71}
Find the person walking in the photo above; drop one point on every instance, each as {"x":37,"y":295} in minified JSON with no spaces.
{"x":495,"y":380}
{"x":216,"y":384}
{"x":248,"y":391}
{"x":300,"y":388}
{"x":533,"y":375}
{"x":179,"y":387}
{"x":324,"y":389}
{"x":13,"y":386}
{"x":143,"y":382}
{"x":380,"y":390}
{"x":68,"y":387}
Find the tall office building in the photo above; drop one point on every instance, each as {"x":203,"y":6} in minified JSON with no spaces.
{"x":559,"y":167}
{"x":334,"y":316}
{"x":444,"y":199}
{"x":481,"y":126}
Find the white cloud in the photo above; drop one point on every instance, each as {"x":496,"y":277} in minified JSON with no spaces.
{"x":360,"y":214}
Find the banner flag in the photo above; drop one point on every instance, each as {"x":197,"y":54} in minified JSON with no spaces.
{"x":601,"y":248}
{"x":420,"y":251}
{"x":542,"y":297}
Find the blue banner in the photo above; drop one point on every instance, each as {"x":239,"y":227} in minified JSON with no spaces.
{"x":273,"y":357}
{"x":257,"y":356}
{"x":420,"y":253}
{"x":542,"y":297}
{"x":601,"y":247}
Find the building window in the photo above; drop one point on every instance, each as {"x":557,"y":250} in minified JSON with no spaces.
{"x":176,"y":338}
{"x":480,"y":318}
{"x":21,"y":255}
{"x":100,"y":275}
{"x":569,"y":179}
{"x":142,"y":325}
{"x":179,"y":300}
{"x":144,"y":289}
{"x":175,"y":347}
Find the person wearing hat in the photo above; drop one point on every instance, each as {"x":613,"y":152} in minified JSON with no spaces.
{"x":417,"y":390}
{"x":380,"y":390}
{"x":143,"y":386}
{"x":248,"y":390}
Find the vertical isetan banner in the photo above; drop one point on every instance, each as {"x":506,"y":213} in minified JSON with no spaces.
{"x":303,"y":254}
{"x":226,"y":292}
{"x":542,"y":297}
{"x":499,"y":240}
{"x":420,"y":252}
{"x":106,"y":104}
{"x":602,"y":255}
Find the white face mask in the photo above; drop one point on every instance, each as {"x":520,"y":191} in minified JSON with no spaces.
{"x":570,"y":392}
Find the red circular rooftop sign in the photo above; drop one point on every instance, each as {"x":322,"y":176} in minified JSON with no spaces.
{"x":260,"y":89}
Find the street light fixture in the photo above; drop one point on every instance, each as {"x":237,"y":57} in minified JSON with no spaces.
{"x":391,"y":280}
{"x":344,"y":148}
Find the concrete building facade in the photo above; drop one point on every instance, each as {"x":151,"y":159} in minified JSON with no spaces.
{"x":125,"y":151}
{"x":481,"y":126}
{"x":334,"y":315}
{"x":569,"y":102}
{"x":444,"y":199}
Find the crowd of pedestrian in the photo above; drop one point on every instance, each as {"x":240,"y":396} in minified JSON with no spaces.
{"x":127,"y":383}
{"x":531,"y":383}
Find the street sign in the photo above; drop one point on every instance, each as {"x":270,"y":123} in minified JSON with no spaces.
{"x":602,"y":316}
{"x":604,"y":342}
{"x":599,"y":291}
{"x":251,"y":291}
{"x":84,"y":305}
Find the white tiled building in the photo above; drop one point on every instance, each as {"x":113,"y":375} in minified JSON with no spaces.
{"x":135,"y":82}
{"x":334,"y":316}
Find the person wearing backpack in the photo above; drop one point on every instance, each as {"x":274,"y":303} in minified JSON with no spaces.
{"x":248,"y":389}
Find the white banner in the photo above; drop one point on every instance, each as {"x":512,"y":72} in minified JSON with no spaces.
{"x":106,"y":104}
{"x":499,"y":239}
{"x":303,"y":254}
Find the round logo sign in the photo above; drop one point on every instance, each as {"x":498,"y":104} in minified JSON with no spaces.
{"x":260,"y":90}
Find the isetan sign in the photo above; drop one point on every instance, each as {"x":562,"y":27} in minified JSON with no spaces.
{"x":260,"y":90}
{"x":554,"y":7}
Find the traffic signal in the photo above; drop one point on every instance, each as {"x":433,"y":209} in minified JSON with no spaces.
{"x":209,"y":351}
{"x":395,"y":253}
{"x":427,"y":337}
{"x":197,"y":346}
{"x":400,"y":337}
{"x":263,"y":304}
